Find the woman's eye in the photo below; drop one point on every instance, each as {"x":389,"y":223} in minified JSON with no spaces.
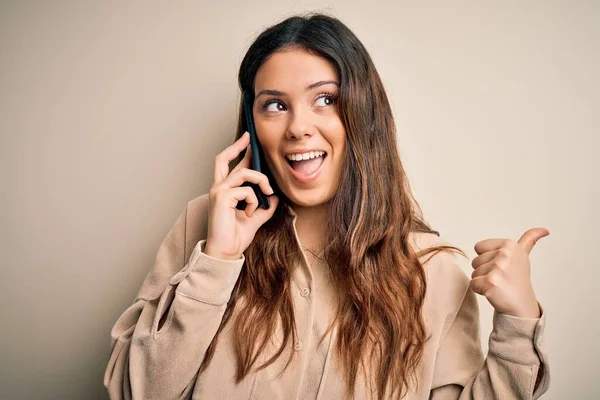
{"x":274,"y":106}
{"x":324,"y":101}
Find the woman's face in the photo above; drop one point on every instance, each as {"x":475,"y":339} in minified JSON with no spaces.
{"x":296,"y":116}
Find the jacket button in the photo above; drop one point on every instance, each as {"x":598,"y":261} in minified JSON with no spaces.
{"x":298,"y":346}
{"x":305,"y":292}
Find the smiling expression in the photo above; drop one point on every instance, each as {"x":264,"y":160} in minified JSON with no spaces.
{"x":296,"y":111}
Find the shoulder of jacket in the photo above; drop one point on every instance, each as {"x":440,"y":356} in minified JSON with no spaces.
{"x":447,"y":280}
{"x":198,"y":204}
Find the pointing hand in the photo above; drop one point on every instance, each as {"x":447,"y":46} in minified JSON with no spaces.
{"x":502,"y":273}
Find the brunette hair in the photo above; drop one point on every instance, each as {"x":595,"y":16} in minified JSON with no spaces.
{"x":378,"y":273}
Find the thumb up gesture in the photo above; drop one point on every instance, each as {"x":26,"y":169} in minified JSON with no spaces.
{"x":502,"y":273}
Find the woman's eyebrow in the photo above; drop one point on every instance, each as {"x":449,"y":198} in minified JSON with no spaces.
{"x":312,"y":86}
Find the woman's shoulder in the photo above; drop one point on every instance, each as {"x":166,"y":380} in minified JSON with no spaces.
{"x":447,"y":280}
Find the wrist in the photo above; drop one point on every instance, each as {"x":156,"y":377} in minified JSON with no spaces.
{"x":530,"y":311}
{"x":216,"y":254}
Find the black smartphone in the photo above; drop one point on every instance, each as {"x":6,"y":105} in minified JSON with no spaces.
{"x":257,"y":157}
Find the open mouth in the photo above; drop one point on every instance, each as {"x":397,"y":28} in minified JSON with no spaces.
{"x":306,"y":170}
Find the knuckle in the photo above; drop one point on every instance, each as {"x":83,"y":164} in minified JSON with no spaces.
{"x":474,"y":287}
{"x":498,"y":262}
{"x":495,"y":263}
{"x":502,"y":259}
{"x":503,"y":253}
{"x":215,"y":192}
{"x":500,"y":266}
{"x":249,"y":192}
{"x":494,"y":278}
{"x":249,"y":172}
{"x":238,"y":172}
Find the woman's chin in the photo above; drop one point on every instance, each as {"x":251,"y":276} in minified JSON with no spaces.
{"x":305,"y":196}
{"x":310,"y":198}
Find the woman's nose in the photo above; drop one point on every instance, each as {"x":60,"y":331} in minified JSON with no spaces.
{"x":300,"y":125}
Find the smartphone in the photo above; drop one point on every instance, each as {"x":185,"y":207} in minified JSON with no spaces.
{"x":257,"y":156}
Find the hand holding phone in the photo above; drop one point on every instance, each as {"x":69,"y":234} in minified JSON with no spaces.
{"x":230,"y":231}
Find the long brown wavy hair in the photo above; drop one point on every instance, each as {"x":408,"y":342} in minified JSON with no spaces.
{"x":383,"y":283}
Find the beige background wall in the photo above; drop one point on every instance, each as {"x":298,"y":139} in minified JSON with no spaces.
{"x":111,"y":114}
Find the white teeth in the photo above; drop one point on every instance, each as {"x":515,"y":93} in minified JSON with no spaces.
{"x":305,"y":156}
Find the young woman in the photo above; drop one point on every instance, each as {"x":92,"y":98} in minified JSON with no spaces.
{"x":338,"y":290}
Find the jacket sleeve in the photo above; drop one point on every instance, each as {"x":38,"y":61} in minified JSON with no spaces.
{"x":158,"y":343}
{"x":516,"y":366}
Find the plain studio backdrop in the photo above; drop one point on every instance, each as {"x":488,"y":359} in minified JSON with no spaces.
{"x":111,"y":114}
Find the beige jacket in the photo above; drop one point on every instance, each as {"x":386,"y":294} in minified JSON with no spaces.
{"x":147,"y":363}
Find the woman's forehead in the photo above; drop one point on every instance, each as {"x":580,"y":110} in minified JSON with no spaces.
{"x":293,"y":70}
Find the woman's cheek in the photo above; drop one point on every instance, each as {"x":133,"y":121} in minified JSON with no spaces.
{"x":273,"y":166}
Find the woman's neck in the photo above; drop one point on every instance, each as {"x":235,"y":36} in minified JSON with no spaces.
{"x":310,"y":226}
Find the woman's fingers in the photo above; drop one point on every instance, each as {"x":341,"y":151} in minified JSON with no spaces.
{"x":483,"y":269}
{"x":237,"y":178}
{"x":223,"y":159}
{"x":480,"y":285}
{"x":492,"y":281}
{"x":246,"y":194}
{"x":261,"y":215}
{"x":246,"y":161}
{"x":483,"y":258}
